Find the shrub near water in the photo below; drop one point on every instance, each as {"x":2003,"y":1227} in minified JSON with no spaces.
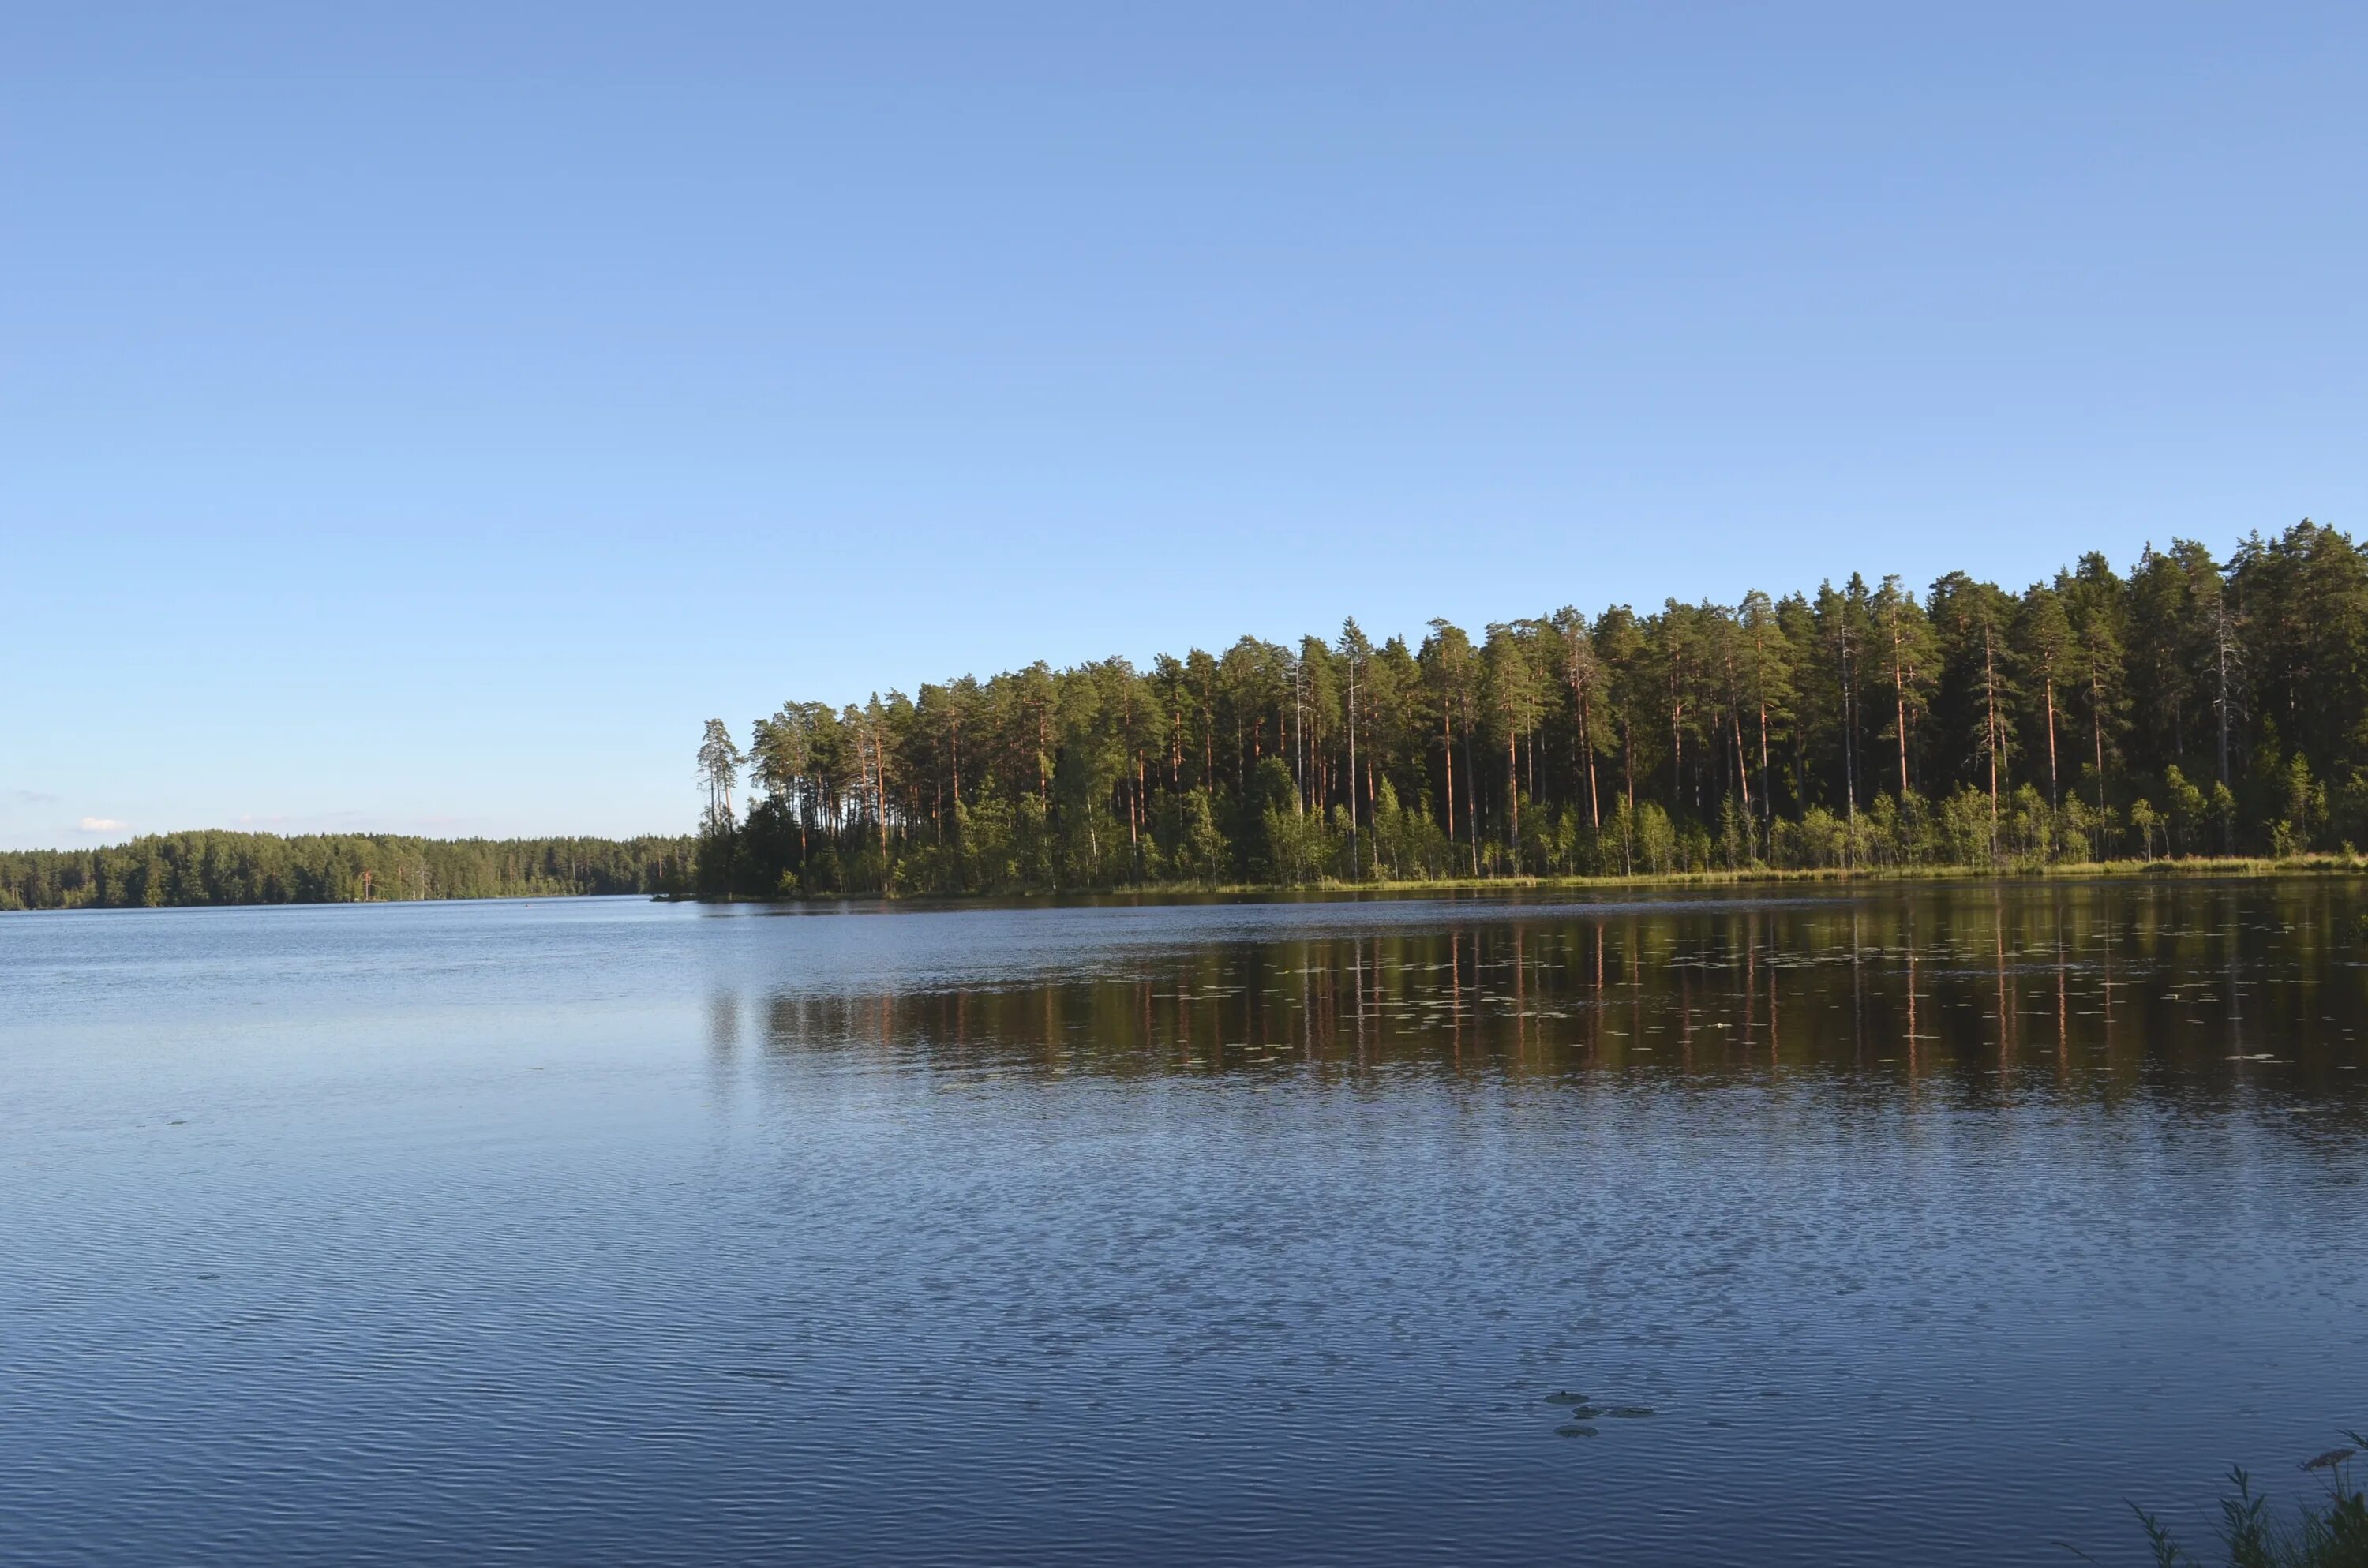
{"x":2332,"y":1533}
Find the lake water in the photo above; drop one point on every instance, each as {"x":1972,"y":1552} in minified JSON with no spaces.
{"x":1928,"y":1225}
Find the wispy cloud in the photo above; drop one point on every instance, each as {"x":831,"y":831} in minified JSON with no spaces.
{"x":28,"y":798}
{"x":102,"y":824}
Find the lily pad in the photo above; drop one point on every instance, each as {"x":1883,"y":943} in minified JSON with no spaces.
{"x":1574,"y":1431}
{"x":1629,"y":1412}
{"x":1564,"y":1396}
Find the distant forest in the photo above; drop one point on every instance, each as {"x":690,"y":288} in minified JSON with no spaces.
{"x":2191,"y":707}
{"x":261,"y":868}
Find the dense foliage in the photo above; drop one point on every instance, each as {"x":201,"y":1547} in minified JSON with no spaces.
{"x":261,"y":868}
{"x":2190,"y":707}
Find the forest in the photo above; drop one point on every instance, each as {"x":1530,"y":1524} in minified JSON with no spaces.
{"x":261,"y":868}
{"x":2190,"y":707}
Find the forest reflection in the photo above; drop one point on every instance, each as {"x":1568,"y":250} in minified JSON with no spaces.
{"x":2111,"y":983}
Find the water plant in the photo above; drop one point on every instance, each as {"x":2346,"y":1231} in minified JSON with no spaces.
{"x":2328,"y":1533}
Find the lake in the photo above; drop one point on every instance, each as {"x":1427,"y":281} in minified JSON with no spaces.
{"x":1860,"y":1226}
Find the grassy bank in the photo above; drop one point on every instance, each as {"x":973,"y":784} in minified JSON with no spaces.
{"x":2194,"y":867}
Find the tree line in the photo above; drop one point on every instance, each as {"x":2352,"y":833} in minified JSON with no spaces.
{"x":261,"y":868}
{"x":2190,"y":706}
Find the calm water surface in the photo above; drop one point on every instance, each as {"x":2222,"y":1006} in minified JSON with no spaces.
{"x":1926,"y":1225}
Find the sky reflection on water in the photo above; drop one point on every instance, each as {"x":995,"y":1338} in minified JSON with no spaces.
{"x":1924,"y":1223}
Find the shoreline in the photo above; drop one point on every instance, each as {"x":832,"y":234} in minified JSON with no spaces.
{"x":2189,"y":868}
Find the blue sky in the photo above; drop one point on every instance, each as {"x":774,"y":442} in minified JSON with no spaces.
{"x":421,"y":417}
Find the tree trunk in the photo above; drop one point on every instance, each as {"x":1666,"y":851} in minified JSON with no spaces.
{"x":1767,"y":773}
{"x":1742,"y":761}
{"x":1628,"y":758}
{"x":2097,"y":728}
{"x":1990,"y":731}
{"x":1352,"y":766}
{"x":1447,"y":752}
{"x":1899,"y":687}
{"x":1676,"y":753}
{"x":2051,"y":740}
{"x":1850,"y":731}
{"x":1470,"y":796}
{"x":1512,"y":796}
{"x":1587,"y":750}
{"x":2220,"y":644}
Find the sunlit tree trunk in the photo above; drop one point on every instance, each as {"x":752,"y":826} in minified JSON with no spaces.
{"x":1512,"y":796}
{"x":2220,"y":649}
{"x":1352,"y":764}
{"x":2097,"y":729}
{"x":1899,"y":689}
{"x":1742,"y":760}
{"x":1447,"y":751}
{"x":2051,"y":739}
{"x":1989,"y":697}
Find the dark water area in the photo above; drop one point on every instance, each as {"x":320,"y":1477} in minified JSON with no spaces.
{"x":1880,"y":1225}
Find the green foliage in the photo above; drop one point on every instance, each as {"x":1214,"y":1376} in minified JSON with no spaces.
{"x":1657,"y":841}
{"x":2096,"y":715}
{"x":260,"y":867}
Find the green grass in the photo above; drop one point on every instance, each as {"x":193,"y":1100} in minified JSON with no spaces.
{"x":2124,"y":870}
{"x":2189,"y":867}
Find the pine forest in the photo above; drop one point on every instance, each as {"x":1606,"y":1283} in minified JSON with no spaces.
{"x":206,"y":868}
{"x":2190,"y":707}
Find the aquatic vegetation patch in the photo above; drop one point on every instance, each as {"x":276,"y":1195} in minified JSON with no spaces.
{"x":2327,"y":1532}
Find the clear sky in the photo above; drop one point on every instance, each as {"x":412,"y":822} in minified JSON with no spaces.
{"x":422,"y":416}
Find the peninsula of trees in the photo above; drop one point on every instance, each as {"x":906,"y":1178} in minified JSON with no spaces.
{"x":2191,"y":707}
{"x":262,"y":868}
